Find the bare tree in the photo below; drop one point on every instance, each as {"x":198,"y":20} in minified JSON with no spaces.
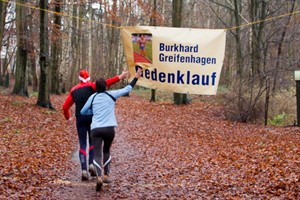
{"x":20,"y":87}
{"x":280,"y":43}
{"x":177,"y":6}
{"x":56,"y":49}
{"x":3,"y":6}
{"x":153,"y":22}
{"x":33,"y":36}
{"x":44,"y":87}
{"x":3,"y":11}
{"x":259,"y":56}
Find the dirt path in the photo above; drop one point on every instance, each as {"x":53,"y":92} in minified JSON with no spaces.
{"x":137,"y":171}
{"x":124,"y":159}
{"x":159,"y":155}
{"x":71,"y":187}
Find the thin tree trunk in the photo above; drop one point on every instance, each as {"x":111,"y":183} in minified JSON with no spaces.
{"x":176,"y":22}
{"x":3,"y":6}
{"x":279,"y":49}
{"x":112,"y":41}
{"x":32,"y":59}
{"x":74,"y":46}
{"x":44,"y":88}
{"x":56,"y":50}
{"x":32,"y":56}
{"x":153,"y":23}
{"x":257,"y":12}
{"x":80,"y":55}
{"x":90,"y":39}
{"x":20,"y":87}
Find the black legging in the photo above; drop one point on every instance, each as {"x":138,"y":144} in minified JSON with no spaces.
{"x":105,"y":135}
{"x":83,"y":124}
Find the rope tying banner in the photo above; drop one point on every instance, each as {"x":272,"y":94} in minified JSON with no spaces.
{"x":120,"y":27}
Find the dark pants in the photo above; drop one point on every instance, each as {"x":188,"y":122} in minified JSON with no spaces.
{"x":83,"y":124}
{"x":102,"y":140}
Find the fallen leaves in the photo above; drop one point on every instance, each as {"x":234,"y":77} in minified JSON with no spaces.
{"x":31,"y":141}
{"x":196,"y":153}
{"x":161,"y":151}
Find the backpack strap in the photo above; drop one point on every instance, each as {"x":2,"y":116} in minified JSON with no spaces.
{"x":93,"y":99}
{"x":113,"y":98}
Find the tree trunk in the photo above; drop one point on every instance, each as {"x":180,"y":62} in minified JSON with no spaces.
{"x":20,"y":87}
{"x":74,"y":46}
{"x":32,"y":55}
{"x":258,"y":11}
{"x":90,"y":39}
{"x":239,"y":54}
{"x":176,"y":22}
{"x":3,"y":6}
{"x":80,"y":60}
{"x":112,"y":41}
{"x":153,"y":23}
{"x":44,"y":88}
{"x":32,"y":59}
{"x":56,"y":50}
{"x":279,"y":49}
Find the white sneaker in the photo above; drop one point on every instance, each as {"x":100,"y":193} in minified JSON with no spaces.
{"x":84,"y":176}
{"x":92,"y":170}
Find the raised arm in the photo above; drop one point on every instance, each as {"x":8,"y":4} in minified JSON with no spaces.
{"x":128,"y":88}
{"x":116,"y":79}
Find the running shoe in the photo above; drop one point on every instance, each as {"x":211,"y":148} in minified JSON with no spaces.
{"x":99,"y":184}
{"x":92,"y":170}
{"x":106,"y":179}
{"x":84,"y":176}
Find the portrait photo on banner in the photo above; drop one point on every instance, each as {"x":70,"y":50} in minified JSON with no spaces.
{"x":142,"y":47}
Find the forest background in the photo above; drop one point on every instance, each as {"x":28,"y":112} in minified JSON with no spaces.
{"x":191,"y":151}
{"x":45,"y":44}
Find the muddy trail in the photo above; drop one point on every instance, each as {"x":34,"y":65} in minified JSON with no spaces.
{"x":161,"y":151}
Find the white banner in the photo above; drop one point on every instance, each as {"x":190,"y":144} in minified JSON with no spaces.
{"x":181,"y":60}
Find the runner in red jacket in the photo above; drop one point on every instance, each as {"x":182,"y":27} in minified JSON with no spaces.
{"x":79,"y":94}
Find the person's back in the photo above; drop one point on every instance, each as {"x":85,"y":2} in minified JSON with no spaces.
{"x":103,"y":109}
{"x":80,"y":94}
{"x":103,"y":105}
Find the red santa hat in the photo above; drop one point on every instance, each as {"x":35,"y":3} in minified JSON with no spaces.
{"x":84,"y":76}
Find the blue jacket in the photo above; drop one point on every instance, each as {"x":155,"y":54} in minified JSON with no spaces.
{"x":103,"y":107}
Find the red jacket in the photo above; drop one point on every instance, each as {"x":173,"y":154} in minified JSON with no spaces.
{"x":80,"y":93}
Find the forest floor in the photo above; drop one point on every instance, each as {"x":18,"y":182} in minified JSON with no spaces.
{"x":161,"y":151}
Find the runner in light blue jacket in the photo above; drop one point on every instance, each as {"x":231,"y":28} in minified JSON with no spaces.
{"x":102,"y":106}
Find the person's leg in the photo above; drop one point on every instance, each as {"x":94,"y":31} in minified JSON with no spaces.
{"x":108,"y":139}
{"x":96,"y":136}
{"x":92,"y":169}
{"x":82,"y":133}
{"x":97,"y":140}
{"x":91,"y":148}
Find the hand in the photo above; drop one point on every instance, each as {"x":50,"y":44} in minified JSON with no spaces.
{"x":125,"y":74}
{"x":138,"y":73}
